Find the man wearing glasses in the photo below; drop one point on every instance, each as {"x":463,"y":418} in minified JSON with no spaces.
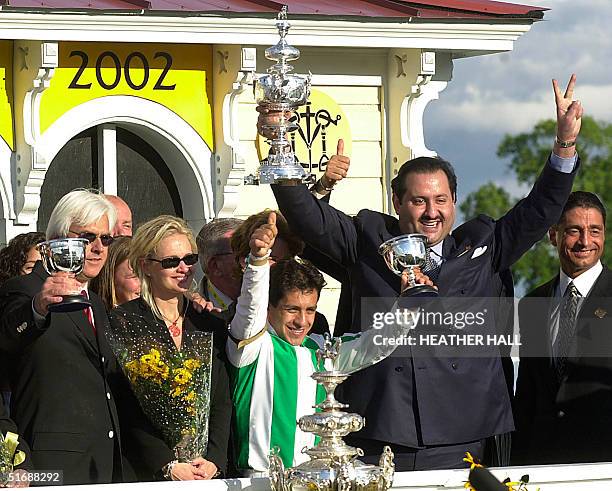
{"x":221,"y":284}
{"x":63,"y":374}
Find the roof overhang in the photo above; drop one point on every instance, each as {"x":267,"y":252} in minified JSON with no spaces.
{"x":462,"y":38}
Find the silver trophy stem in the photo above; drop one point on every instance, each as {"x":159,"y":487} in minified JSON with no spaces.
{"x":333,"y":465}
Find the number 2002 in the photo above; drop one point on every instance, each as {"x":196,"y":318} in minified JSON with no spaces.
{"x":127,"y":67}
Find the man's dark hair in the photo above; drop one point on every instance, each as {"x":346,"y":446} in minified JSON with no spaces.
{"x":294,"y":274}
{"x":423,"y":165}
{"x":583,"y":199}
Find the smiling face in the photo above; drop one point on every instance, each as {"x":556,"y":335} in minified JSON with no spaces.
{"x":95,"y":253}
{"x":171,"y":281}
{"x":293,"y":316}
{"x":579,"y":238}
{"x":127,"y":284}
{"x":427,"y":206}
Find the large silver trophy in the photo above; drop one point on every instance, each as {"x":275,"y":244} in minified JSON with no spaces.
{"x":67,"y":255}
{"x":280,"y":90}
{"x":333,"y":465}
{"x":406,"y":252}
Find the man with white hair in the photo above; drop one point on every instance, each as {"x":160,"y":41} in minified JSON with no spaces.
{"x":63,"y":373}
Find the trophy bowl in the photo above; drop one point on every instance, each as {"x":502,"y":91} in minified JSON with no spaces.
{"x":406,"y":252}
{"x":68,"y":255}
{"x":284,"y":93}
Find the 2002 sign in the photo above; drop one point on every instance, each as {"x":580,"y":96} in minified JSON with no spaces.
{"x":127,"y":67}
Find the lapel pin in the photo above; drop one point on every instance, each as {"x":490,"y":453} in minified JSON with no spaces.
{"x":600,"y":313}
{"x":467,"y":249}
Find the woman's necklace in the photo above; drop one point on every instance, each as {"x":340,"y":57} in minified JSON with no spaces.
{"x":174,"y":328}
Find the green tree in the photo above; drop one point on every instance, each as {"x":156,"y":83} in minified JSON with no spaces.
{"x":526,"y":153}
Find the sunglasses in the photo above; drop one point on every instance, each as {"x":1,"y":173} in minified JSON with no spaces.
{"x":106,"y":239}
{"x":173,"y":262}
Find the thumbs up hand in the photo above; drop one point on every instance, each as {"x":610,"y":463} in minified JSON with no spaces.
{"x":337,"y":167}
{"x":263,"y":237}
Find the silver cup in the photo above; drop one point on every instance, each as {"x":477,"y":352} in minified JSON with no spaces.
{"x":280,"y":90}
{"x":66,"y":255}
{"x":406,"y":252}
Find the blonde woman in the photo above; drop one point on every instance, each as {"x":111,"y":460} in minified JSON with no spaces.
{"x":163,"y":255}
{"x":117,"y":283}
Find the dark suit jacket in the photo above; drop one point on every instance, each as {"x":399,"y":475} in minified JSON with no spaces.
{"x":69,"y":393}
{"x":220,"y":402}
{"x":422,"y":399}
{"x":62,"y":378}
{"x":569,"y":421}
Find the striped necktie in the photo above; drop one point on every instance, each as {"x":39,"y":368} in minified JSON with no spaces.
{"x":567,"y":329}
{"x":432,"y":267}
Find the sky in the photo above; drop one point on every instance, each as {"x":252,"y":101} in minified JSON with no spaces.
{"x":493,"y":95}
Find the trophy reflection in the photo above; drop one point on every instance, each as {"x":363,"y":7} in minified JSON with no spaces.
{"x":67,"y":255}
{"x":282,"y":92}
{"x":406,"y":252}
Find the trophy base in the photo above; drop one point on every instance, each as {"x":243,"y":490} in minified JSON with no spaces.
{"x":420,"y":291}
{"x":70,"y":303}
{"x":283,"y":174}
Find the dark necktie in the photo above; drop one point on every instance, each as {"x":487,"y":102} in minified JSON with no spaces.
{"x":88,"y":312}
{"x":567,"y":328}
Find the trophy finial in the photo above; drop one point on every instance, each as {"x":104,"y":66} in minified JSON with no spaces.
{"x":282,"y":15}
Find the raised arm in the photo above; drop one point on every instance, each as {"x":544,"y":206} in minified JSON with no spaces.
{"x":361,"y":350}
{"x":250,"y":320}
{"x":528,"y":221}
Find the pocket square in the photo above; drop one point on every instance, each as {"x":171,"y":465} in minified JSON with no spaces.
{"x":479,"y":251}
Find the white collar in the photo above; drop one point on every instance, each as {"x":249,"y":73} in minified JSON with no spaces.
{"x":438,"y":248}
{"x":583,"y":282}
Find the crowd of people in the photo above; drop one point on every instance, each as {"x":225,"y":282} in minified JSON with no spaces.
{"x":77,"y":406}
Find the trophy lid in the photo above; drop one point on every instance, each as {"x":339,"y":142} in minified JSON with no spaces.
{"x":282,"y":52}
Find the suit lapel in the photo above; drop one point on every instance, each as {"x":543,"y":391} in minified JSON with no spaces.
{"x":79,"y":319}
{"x":594,"y":307}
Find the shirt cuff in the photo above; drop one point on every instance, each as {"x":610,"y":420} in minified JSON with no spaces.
{"x":561,"y":164}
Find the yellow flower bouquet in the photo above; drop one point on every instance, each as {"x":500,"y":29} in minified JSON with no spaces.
{"x":172,"y":386}
{"x":10,"y":457}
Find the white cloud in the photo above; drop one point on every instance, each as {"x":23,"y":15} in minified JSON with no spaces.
{"x":483,"y":110}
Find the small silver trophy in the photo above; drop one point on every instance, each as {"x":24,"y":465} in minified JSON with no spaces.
{"x":406,"y":252}
{"x":333,"y":465}
{"x":280,"y":90}
{"x":67,"y":254}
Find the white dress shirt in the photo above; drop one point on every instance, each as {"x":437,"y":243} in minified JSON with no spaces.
{"x":583,"y":283}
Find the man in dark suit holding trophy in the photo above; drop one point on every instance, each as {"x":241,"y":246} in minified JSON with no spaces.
{"x":432,"y":410}
{"x":66,"y":383}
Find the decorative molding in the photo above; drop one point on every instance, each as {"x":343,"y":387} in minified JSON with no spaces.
{"x":231,"y":138}
{"x":29,"y":191}
{"x":186,"y":154}
{"x":489,"y":36}
{"x":413,"y":108}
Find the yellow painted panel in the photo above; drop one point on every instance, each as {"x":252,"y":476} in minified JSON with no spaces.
{"x":353,"y":195}
{"x":6,"y":93}
{"x":365,"y":122}
{"x":178,"y":77}
{"x":366,"y":160}
{"x":352,"y":95}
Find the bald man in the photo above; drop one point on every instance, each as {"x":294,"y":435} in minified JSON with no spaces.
{"x":123,"y":226}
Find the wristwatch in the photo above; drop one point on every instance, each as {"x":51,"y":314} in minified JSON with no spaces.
{"x":564,"y":143}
